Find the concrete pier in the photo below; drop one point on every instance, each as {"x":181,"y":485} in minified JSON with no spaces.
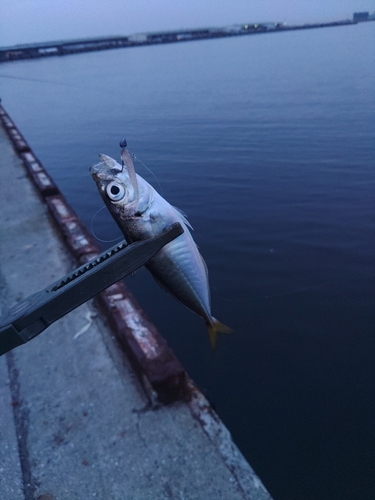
{"x":76,"y":422}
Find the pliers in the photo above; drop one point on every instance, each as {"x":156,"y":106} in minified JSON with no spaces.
{"x":37,"y":312}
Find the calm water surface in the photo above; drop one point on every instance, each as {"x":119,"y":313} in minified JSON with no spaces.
{"x":267,"y":143}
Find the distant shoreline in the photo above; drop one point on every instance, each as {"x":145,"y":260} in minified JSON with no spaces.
{"x":67,"y":47}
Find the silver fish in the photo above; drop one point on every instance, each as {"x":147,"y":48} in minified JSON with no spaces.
{"x":141,"y":213}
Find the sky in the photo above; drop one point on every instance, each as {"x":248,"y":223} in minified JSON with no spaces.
{"x":28,"y":21}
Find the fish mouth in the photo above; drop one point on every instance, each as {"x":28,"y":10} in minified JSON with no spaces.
{"x":95,"y":169}
{"x":106,"y":168}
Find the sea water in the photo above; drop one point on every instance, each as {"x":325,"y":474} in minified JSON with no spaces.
{"x":267,"y":143}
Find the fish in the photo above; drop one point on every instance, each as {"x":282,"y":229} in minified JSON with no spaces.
{"x":141,"y":213}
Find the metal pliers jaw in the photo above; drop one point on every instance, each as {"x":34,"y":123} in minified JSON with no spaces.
{"x":37,"y":312}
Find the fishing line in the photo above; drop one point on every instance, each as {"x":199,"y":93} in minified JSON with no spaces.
{"x":312,"y":287}
{"x":292,"y":292}
{"x":151,"y":172}
{"x":51,"y":82}
{"x":92,"y":229}
{"x":38,"y":80}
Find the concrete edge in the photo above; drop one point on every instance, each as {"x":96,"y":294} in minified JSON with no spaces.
{"x":219,"y":435}
{"x":158,"y":369}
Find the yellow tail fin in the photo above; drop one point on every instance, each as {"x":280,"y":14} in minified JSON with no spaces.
{"x":213,"y":329}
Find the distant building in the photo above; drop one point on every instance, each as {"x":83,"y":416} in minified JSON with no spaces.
{"x":361,"y":16}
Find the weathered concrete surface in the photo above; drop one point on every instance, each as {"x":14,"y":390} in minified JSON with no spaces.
{"x":74,"y":423}
{"x":10,"y":469}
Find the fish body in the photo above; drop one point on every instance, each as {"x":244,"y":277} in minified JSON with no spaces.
{"x":141,"y":213}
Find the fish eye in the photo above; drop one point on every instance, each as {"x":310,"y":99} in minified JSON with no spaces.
{"x":115,"y":191}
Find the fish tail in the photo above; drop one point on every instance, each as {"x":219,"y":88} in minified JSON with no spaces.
{"x":215,"y":327}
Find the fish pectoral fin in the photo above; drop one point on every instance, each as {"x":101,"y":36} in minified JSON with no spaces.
{"x":182,"y":216}
{"x":213,"y":329}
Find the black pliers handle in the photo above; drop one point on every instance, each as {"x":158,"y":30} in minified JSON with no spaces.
{"x":36,"y":313}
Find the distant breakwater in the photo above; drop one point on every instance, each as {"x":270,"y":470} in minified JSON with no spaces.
{"x":62,"y":48}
